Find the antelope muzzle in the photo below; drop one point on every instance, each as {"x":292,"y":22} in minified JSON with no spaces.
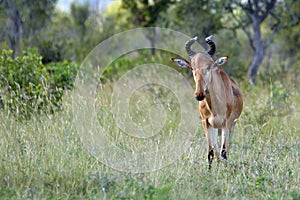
{"x":200,"y":97}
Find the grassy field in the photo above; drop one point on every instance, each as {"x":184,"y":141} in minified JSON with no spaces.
{"x":44,"y":158}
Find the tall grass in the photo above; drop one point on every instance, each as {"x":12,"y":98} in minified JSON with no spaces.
{"x":44,"y":158}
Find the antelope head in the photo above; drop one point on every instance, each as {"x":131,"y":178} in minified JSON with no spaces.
{"x":201,"y":65}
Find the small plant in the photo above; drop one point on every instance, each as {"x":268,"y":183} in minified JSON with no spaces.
{"x":277,"y":103}
{"x":279,"y":98}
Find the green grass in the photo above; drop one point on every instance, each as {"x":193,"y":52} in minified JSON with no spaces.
{"x":43,"y":158}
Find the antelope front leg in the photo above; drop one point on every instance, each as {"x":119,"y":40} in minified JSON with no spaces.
{"x":210,"y":155}
{"x":225,"y":143}
{"x":212,"y":135}
{"x":210,"y":152}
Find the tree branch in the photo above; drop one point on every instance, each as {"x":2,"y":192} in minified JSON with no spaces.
{"x":295,"y":17}
{"x":278,"y":23}
{"x":244,"y":27}
{"x":278,"y":26}
{"x":270,"y":39}
{"x":269,"y":7}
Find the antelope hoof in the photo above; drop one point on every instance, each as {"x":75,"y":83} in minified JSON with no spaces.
{"x":224,"y":155}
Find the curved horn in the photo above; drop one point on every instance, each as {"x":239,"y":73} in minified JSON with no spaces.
{"x":188,"y":45}
{"x":212,"y":45}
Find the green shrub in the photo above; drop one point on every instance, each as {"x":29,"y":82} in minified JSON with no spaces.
{"x":50,"y":52}
{"x":27,"y":86}
{"x":61,"y":78}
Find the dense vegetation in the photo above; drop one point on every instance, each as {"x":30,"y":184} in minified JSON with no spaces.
{"x":29,"y":87}
{"x":42,"y":155}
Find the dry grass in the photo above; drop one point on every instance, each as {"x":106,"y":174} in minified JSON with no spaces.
{"x":44,"y":158}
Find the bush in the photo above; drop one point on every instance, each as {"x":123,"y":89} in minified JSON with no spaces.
{"x":27,"y":86}
{"x":50,"y":52}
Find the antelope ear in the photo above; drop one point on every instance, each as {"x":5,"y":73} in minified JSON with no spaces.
{"x":182,"y":62}
{"x":221,"y":61}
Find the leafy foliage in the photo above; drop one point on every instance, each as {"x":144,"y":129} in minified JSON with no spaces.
{"x":251,"y":16}
{"x":22,"y":19}
{"x":123,"y":64}
{"x":201,"y":18}
{"x":145,"y":13}
{"x":28,"y":86}
{"x":80,"y":14}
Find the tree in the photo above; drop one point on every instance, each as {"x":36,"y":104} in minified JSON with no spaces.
{"x":145,"y":13}
{"x":36,"y":16}
{"x":80,"y":14}
{"x":289,"y":41}
{"x":14,"y":25}
{"x":56,"y":41}
{"x":249,"y":16}
{"x":201,"y":18}
{"x":23,"y":18}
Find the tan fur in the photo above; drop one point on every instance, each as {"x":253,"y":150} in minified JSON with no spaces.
{"x":220,"y":102}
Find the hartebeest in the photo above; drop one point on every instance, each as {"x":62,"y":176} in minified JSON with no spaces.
{"x":220,"y":99}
